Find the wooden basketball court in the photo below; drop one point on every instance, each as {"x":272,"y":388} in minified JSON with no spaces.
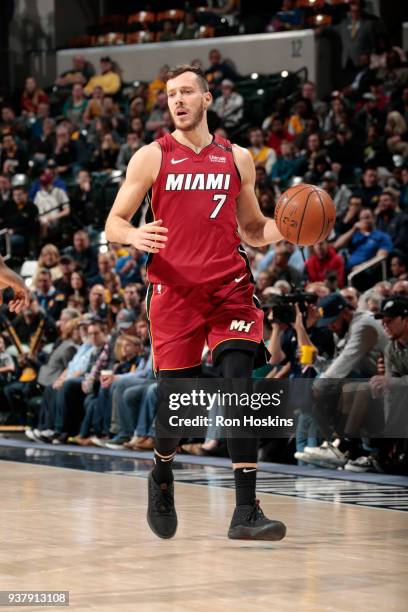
{"x":85,"y":532}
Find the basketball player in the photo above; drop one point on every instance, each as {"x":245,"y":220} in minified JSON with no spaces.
{"x":200,"y":282}
{"x":9,"y":279}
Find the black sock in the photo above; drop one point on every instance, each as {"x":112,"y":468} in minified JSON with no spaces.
{"x":162,"y":471}
{"x":245,"y":483}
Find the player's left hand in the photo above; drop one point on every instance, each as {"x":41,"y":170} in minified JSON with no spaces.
{"x":21,"y":298}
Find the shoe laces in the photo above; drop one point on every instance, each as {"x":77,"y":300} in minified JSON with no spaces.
{"x":164,"y":500}
{"x":256,"y":512}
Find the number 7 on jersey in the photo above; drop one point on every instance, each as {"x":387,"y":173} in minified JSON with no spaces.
{"x":220,"y":198}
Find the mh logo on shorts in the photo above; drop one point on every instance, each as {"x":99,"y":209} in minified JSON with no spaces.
{"x":241,"y":326}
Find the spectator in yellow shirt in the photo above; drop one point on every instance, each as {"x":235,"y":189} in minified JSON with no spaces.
{"x":260,"y":153}
{"x":108,"y":79}
{"x":158,"y":84}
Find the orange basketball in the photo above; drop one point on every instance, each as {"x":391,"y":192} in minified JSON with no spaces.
{"x":305,"y":214}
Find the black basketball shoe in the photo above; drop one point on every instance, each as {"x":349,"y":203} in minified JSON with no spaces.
{"x":250,"y":523}
{"x":161,"y":513}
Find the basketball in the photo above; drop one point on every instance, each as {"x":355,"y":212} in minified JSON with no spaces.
{"x":305,"y":214}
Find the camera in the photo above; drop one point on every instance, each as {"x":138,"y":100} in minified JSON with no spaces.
{"x":284,"y":305}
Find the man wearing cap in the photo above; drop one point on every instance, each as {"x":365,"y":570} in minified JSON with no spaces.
{"x":394,"y":316}
{"x":51,"y":167}
{"x":108,"y":79}
{"x":363,"y":341}
{"x":339,"y":195}
{"x":229,"y":106}
{"x":52,"y":203}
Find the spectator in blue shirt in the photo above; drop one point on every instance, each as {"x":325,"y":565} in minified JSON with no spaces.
{"x":287,"y":165}
{"x":363,"y":241}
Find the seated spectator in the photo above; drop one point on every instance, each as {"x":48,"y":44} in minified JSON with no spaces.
{"x":303,"y":110}
{"x":81,"y":72}
{"x":5,"y":194}
{"x":32,"y":96}
{"x":74,"y":107}
{"x":188,"y":28}
{"x":280,"y":269}
{"x":112,"y":112}
{"x":8,"y":122}
{"x":63,"y":283}
{"x":290,"y":17}
{"x":52,"y":203}
{"x":277,"y":133}
{"x":350,"y":216}
{"x":13,"y":158}
{"x":260,"y":153}
{"x":98,"y":306}
{"x":85,"y":255}
{"x":138,"y":110}
{"x":345,"y":154}
{"x":82,"y":201}
{"x":370,"y":301}
{"x":370,"y":112}
{"x":106,"y":155}
{"x":42,"y":114}
{"x":156,"y":117}
{"x":324,"y":259}
{"x":94,"y":106}
{"x":104,"y":267}
{"x":287,"y":165}
{"x":49,"y":298}
{"x":7,"y":365}
{"x":157,"y":85}
{"x":78,"y":285}
{"x":57,"y":181}
{"x":167,"y":34}
{"x":133,"y":144}
{"x":397,"y":133}
{"x":42,"y":148}
{"x":49,"y":259}
{"x":370,"y":190}
{"x":363,"y":241}
{"x":388,"y":220}
{"x":218,"y":70}
{"x":109,"y":78}
{"x":398,"y":267}
{"x":340,"y":195}
{"x":229,"y":106}
{"x":64,"y":153}
{"x":22,"y":220}
{"x":128,"y":266}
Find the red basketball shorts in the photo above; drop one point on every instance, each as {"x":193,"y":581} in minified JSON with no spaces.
{"x":183,"y":319}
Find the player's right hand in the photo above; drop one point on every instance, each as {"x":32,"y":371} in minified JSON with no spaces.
{"x":150,"y":237}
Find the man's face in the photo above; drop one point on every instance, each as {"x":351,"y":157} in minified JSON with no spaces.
{"x":43,"y":110}
{"x":7,"y":114}
{"x":386,"y":202}
{"x":350,"y":296}
{"x":4,"y":183}
{"x":366,"y":218}
{"x":396,"y":268}
{"x":214,"y":57}
{"x":256,"y":138}
{"x":97,"y":296}
{"x":187,"y":101}
{"x":105,"y":67}
{"x":95,"y":335}
{"x":20,"y":197}
{"x":131,"y":297}
{"x":394,"y":326}
{"x":340,"y":325}
{"x":77,"y":90}
{"x":44,"y":282}
{"x":313,"y":142}
{"x":370,"y":178}
{"x":8,"y":142}
{"x":308,"y":91}
{"x":81,"y":241}
{"x":78,"y":62}
{"x":103,"y":264}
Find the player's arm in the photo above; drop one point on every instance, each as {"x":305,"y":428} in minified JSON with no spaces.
{"x":8,"y":278}
{"x":141,"y":173}
{"x":255,"y":228}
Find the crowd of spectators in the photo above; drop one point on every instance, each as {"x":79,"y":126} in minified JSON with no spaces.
{"x":76,"y":364}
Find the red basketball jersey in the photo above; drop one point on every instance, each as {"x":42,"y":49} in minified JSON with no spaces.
{"x":195,"y":196}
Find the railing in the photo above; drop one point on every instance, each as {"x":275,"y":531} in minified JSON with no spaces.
{"x":368,"y":265}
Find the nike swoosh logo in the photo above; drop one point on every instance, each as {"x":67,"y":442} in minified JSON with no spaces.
{"x":178,"y":161}
{"x":246,"y":470}
{"x":238,"y":280}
